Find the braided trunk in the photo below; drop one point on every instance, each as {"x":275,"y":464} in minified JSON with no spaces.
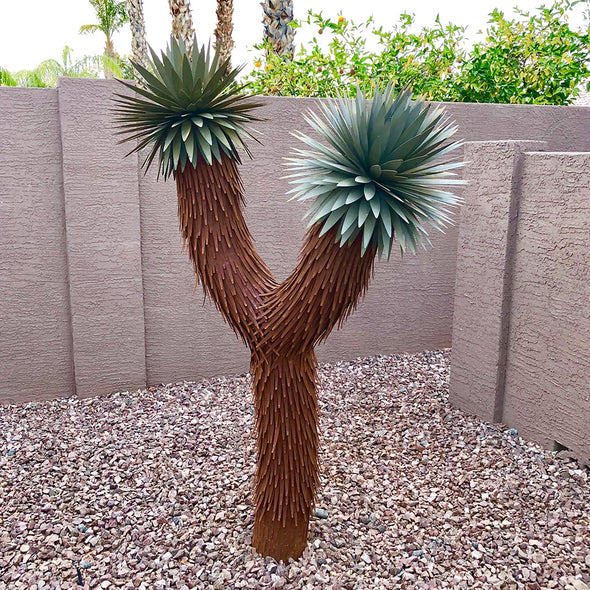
{"x":224,"y":29}
{"x":281,"y":324}
{"x":182,"y":21}
{"x":138,"y":40}
{"x":277,"y":15}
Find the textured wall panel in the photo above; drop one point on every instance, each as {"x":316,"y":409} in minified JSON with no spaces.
{"x":482,"y":287}
{"x":563,"y":128}
{"x":408,"y":307}
{"x":548,"y":373}
{"x":35,"y":340}
{"x":101,"y":191}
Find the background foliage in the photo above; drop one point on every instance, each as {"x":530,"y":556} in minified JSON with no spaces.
{"x":532,"y":58}
{"x":45,"y":75}
{"x":111,"y":16}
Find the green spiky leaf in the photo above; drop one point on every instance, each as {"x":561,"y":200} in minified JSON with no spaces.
{"x":190,"y":108}
{"x":380,"y":170}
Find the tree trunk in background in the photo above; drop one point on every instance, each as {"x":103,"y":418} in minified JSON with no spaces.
{"x":109,"y":51}
{"x":281,"y":324}
{"x":224,"y":29}
{"x":137,"y":25}
{"x":277,"y":16}
{"x":182,"y":21}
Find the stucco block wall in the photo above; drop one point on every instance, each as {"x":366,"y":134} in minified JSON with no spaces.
{"x":110,"y":301}
{"x":563,"y":128}
{"x":35,"y":335}
{"x":488,"y":222}
{"x":101,"y":191}
{"x":548,"y":371}
{"x":521,"y":330}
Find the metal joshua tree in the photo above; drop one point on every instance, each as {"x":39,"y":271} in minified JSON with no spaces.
{"x":374,"y":180}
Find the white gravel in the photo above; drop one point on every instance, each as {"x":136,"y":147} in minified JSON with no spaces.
{"x":152,"y":490}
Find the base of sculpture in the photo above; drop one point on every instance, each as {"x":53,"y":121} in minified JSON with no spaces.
{"x":280,"y":540}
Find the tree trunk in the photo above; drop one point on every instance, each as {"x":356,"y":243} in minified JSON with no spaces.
{"x":110,"y":53}
{"x":287,"y":442}
{"x":281,"y":324}
{"x":277,"y":16}
{"x":224,"y":29}
{"x":182,"y":21}
{"x":137,"y":24}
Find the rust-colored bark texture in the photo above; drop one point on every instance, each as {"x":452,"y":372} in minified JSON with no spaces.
{"x":281,"y":323}
{"x":372,"y":181}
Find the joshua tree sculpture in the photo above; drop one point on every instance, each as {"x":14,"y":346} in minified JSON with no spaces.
{"x":375,"y":180}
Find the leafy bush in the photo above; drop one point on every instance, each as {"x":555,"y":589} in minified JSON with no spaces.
{"x":427,"y":60}
{"x":534,"y":58}
{"x":6,"y":78}
{"x":45,"y":75}
{"x":422,"y":59}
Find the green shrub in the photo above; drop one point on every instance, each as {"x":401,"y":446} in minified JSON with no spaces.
{"x":422,"y":59}
{"x":534,"y":58}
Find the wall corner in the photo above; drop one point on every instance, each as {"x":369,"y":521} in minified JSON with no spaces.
{"x":485,"y":259}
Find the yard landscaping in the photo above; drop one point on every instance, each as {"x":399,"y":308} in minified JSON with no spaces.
{"x":152,"y":489}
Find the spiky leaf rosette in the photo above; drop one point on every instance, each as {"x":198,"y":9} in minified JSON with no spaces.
{"x":190,"y":106}
{"x":382,"y":171}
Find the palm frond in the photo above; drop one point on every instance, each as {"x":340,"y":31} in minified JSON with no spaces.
{"x":87,"y":29}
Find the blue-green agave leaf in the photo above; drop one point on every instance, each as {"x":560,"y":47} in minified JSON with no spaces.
{"x":190,"y":107}
{"x":378,"y":169}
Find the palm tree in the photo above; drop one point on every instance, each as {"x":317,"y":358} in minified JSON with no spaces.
{"x":224,"y":29}
{"x":111,"y":17}
{"x":45,"y":75}
{"x":87,"y":67}
{"x":6,"y":78}
{"x":137,"y":24}
{"x":375,"y":179}
{"x":182,"y":21}
{"x":277,"y":16}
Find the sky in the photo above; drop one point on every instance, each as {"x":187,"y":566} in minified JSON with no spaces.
{"x":49,"y":25}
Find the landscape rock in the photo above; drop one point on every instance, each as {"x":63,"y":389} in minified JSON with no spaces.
{"x":152,"y":490}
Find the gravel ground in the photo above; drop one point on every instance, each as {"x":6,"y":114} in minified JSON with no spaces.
{"x":151,"y":490}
